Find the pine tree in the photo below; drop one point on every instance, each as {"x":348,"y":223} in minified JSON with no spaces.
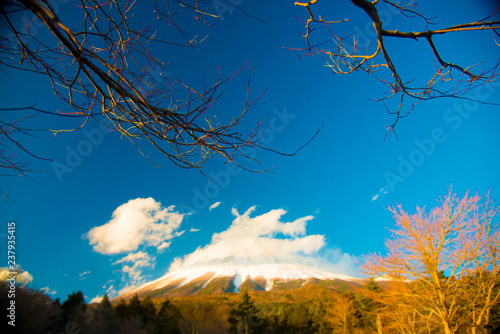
{"x":122,"y":308}
{"x":74,"y":306}
{"x":135,"y":307}
{"x":244,"y":312}
{"x":370,"y":313}
{"x":105,"y":318}
{"x":148,"y":310}
{"x":167,"y":320}
{"x":105,"y":302}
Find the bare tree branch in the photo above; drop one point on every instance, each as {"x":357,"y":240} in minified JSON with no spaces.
{"x":345,"y":60}
{"x":104,"y":68}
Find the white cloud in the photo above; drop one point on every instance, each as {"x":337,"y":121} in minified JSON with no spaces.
{"x":96,"y":299}
{"x":340,"y":262}
{"x":262,"y":239}
{"x":213,"y":206}
{"x":194,"y":230}
{"x":128,"y":288}
{"x":108,"y":283}
{"x":164,"y":245}
{"x":47,"y":291}
{"x":141,"y":221}
{"x":22,"y":277}
{"x":382,"y":191}
{"x":84,"y":274}
{"x":133,"y":272}
{"x":135,"y":227}
{"x":142,"y":258}
{"x":109,"y":288}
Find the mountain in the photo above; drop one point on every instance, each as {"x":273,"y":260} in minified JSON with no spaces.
{"x":227,"y":277}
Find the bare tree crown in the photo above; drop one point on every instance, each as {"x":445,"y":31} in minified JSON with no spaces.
{"x":449,"y":79}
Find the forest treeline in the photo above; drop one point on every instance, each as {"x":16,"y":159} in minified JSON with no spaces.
{"x":310,"y":309}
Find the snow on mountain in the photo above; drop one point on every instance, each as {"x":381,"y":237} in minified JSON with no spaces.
{"x":229,"y":277}
{"x":260,"y":253}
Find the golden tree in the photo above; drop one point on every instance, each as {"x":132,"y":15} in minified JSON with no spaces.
{"x":394,"y":313}
{"x":483,"y":247}
{"x":341,"y":313}
{"x":442,"y":261}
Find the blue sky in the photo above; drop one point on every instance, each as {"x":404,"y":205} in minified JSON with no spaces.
{"x":345,"y":178}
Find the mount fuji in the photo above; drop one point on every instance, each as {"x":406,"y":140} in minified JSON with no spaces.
{"x":259,"y":253}
{"x":228,"y":277}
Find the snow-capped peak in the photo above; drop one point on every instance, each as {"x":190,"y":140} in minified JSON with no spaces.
{"x":204,"y":274}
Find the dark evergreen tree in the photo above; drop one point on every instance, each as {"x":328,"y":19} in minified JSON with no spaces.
{"x":102,"y":317}
{"x":245,"y":313}
{"x":57,"y":314}
{"x":369,"y":309}
{"x":105,"y":302}
{"x":299,"y":317}
{"x":233,"y":322}
{"x":122,"y":308}
{"x":148,"y":310}
{"x":135,"y":307}
{"x":74,"y":307}
{"x":167,"y":319}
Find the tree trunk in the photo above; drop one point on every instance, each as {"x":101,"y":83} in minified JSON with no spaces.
{"x":379,"y":324}
{"x":447,"y":329}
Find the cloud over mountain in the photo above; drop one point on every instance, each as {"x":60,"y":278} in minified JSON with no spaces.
{"x":136,"y":262}
{"x":263,"y":239}
{"x":261,"y":249}
{"x":251,"y":241}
